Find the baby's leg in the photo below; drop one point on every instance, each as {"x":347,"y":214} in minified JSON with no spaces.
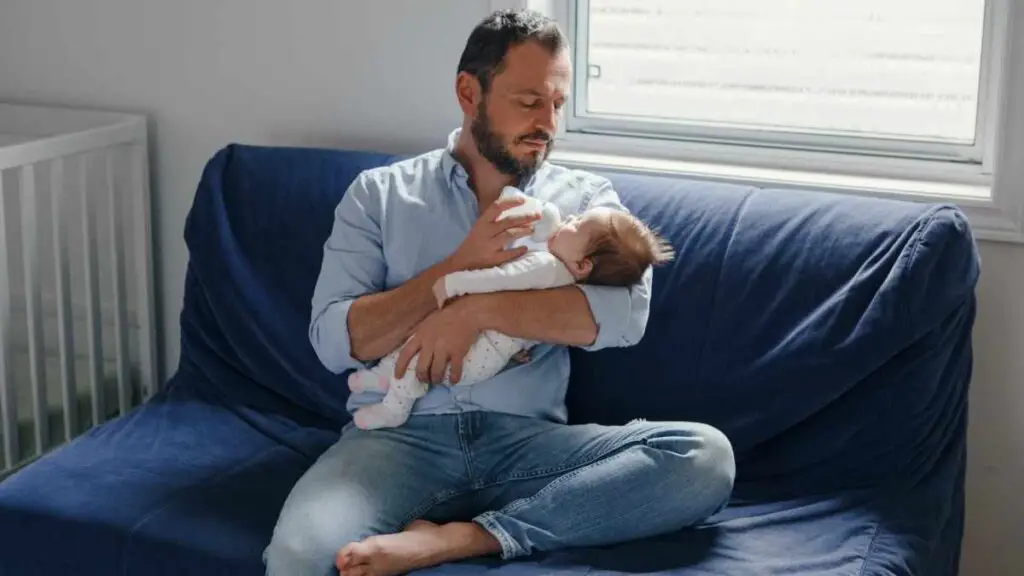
{"x":376,"y":379}
{"x":505,"y":345}
{"x":491,"y":352}
{"x":394,"y":409}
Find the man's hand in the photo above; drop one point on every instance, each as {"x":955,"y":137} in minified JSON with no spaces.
{"x":484,"y":246}
{"x":442,"y":339}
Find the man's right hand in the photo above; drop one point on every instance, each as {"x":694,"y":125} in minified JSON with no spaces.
{"x":484,"y":247}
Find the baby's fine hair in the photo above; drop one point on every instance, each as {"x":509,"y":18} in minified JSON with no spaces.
{"x":624,"y":250}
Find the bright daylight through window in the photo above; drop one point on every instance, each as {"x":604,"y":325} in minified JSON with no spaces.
{"x":887,"y":77}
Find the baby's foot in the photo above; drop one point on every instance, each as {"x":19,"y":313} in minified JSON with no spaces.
{"x":367,"y":381}
{"x":440,"y":292}
{"x":377,"y":416}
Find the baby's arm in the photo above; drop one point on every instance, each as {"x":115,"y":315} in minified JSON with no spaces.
{"x":533,"y":271}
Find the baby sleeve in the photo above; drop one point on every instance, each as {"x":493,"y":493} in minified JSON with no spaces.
{"x":533,"y":271}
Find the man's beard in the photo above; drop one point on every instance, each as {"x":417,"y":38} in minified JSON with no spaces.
{"x":492,"y":147}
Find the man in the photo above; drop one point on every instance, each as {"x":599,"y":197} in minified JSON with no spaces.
{"x":492,"y":468}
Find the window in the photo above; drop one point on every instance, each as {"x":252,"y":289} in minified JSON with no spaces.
{"x":916,"y":99}
{"x":894,"y":77}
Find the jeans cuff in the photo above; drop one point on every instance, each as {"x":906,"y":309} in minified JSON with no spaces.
{"x":509,"y":548}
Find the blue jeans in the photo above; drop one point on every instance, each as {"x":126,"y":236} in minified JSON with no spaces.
{"x":533,"y":485}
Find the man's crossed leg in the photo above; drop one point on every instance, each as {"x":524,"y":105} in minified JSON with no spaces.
{"x":447,"y":487}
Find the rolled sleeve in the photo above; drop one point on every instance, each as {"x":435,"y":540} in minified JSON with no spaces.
{"x":620,"y":312}
{"x":353,"y":265}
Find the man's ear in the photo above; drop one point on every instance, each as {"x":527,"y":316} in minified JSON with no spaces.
{"x":468,"y":91}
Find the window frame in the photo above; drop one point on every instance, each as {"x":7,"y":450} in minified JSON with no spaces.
{"x":989,"y":188}
{"x":578,"y":120}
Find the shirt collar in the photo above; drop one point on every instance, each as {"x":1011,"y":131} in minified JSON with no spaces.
{"x":456,"y":173}
{"x":452,"y":168}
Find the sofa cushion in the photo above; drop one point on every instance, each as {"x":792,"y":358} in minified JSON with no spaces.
{"x":255,"y":236}
{"x":181,"y":485}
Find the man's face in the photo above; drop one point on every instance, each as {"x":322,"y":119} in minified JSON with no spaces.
{"x":517,"y":118}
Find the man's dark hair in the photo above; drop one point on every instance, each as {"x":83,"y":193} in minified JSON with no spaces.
{"x":492,"y":38}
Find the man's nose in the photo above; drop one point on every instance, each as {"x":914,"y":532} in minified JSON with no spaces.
{"x":547,"y":119}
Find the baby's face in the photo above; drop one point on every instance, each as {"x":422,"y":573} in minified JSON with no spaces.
{"x":570,"y":240}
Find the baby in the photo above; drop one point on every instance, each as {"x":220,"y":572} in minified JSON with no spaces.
{"x":601,"y":246}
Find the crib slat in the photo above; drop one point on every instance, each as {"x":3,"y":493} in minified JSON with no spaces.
{"x":144,"y":258}
{"x":94,"y":340}
{"x":65,"y":326}
{"x":117,"y":253}
{"x":33,"y":306}
{"x":8,"y":404}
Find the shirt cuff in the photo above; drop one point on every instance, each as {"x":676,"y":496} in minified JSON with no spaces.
{"x":330,"y":338}
{"x":611,"y":307}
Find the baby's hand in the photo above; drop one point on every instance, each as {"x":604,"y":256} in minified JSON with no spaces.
{"x":440,"y":293}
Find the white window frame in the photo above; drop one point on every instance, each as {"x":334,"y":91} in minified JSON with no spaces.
{"x":988,"y":185}
{"x":579,"y":121}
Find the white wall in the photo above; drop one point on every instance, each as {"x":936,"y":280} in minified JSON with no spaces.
{"x":995,"y":507}
{"x":327,"y":72}
{"x":315,"y":72}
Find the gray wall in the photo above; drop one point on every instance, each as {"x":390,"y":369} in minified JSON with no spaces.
{"x":380,"y":75}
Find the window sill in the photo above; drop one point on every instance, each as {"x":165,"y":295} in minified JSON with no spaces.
{"x":779,"y":178}
{"x":989,"y":221}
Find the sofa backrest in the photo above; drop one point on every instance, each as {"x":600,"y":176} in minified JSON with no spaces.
{"x":255,"y":238}
{"x":828,"y":336}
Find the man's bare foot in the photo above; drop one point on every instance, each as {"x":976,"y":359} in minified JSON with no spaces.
{"x":422,"y":544}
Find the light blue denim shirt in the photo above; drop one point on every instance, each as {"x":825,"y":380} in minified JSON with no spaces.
{"x":396,"y":221}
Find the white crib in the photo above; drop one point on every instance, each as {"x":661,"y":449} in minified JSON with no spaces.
{"x":77,"y":333}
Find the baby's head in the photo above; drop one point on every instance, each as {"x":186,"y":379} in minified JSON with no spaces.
{"x":608,"y":247}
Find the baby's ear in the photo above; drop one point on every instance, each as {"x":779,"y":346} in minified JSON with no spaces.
{"x":583,"y":268}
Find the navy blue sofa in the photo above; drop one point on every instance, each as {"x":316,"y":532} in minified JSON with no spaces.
{"x":829,"y":337}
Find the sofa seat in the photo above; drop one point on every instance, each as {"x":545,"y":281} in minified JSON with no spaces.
{"x":186,"y":485}
{"x":181,"y":485}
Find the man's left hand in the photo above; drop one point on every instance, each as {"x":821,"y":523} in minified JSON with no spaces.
{"x":443,"y":339}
